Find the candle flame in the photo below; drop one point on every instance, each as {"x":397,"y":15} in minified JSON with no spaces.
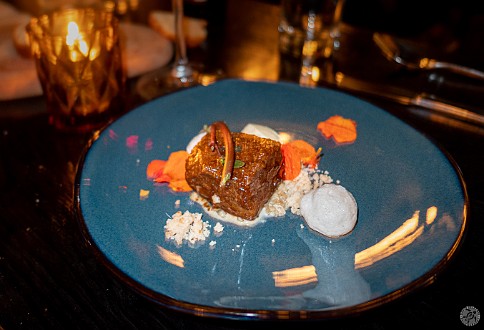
{"x":72,"y":33}
{"x":76,"y":41}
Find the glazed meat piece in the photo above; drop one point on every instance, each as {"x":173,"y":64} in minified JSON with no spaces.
{"x":250,"y":185}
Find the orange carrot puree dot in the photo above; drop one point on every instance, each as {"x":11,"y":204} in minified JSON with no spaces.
{"x":343,"y":130}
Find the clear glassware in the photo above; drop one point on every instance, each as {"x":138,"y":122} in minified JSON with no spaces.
{"x":180,"y":74}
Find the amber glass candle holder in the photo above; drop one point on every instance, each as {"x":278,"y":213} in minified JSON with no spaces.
{"x":79,"y":65}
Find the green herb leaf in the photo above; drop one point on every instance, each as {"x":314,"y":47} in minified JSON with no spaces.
{"x":238,"y":163}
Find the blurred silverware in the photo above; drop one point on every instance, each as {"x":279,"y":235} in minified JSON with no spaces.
{"x":395,"y":94}
{"x":392,"y":52}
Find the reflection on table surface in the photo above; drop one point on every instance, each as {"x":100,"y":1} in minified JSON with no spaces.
{"x":49,"y":276}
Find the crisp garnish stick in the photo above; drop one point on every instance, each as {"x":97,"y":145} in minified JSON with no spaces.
{"x":229,"y":158}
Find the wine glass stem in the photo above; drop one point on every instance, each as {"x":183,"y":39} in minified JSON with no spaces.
{"x":181,"y":69}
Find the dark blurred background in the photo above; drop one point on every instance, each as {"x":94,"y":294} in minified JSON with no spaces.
{"x":451,"y":26}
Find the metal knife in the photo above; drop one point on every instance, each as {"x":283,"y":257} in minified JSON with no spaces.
{"x":396,"y":94}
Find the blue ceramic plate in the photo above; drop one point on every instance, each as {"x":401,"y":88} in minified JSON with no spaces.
{"x":411,"y":198}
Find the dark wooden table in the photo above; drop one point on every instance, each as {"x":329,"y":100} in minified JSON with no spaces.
{"x":50,"y":279}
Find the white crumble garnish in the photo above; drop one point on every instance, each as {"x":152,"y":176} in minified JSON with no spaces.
{"x":177,"y":202}
{"x":186,"y":227}
{"x":212,"y":244}
{"x":215,"y":199}
{"x":273,"y":241}
{"x":218,"y":228}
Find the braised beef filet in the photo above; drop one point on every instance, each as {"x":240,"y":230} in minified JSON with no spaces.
{"x":250,"y":186}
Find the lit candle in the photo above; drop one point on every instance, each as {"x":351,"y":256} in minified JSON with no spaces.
{"x":79,"y":66}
